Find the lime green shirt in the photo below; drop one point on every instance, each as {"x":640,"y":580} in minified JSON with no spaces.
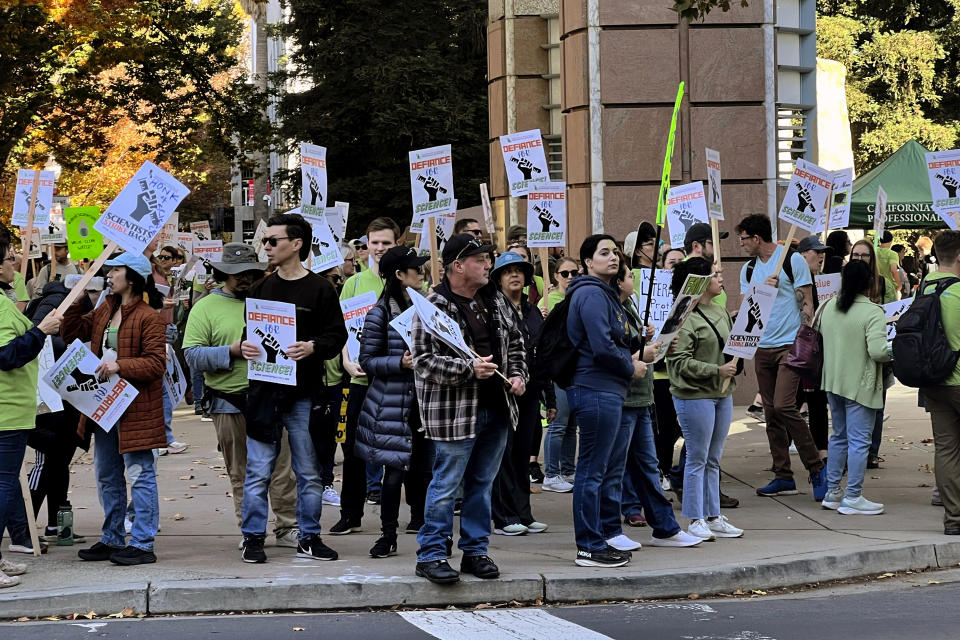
{"x":357,"y":285}
{"x":554,"y":298}
{"x":886,"y":258}
{"x":333,"y":371}
{"x":18,"y":387}
{"x":216,"y":321}
{"x":20,"y":288}
{"x":950,"y":313}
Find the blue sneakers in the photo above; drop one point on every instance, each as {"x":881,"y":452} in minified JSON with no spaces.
{"x":780,"y":487}
{"x":819,"y":481}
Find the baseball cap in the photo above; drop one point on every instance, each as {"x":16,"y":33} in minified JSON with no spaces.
{"x":464,"y":245}
{"x":811,"y":243}
{"x":400,"y":259}
{"x":136,"y":261}
{"x":237,"y":258}
{"x":701,"y":232}
{"x":511,"y":258}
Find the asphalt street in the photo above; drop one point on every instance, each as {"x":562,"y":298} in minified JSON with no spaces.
{"x":923,"y":605}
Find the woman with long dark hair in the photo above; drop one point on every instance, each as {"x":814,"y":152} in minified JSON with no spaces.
{"x":838,"y":246}
{"x":854,"y":346}
{"x":388,"y":428}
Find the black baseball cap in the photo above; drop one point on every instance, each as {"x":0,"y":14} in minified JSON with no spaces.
{"x":463,"y":245}
{"x":400,"y":259}
{"x":700,"y":232}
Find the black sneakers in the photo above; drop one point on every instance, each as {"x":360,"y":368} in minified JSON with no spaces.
{"x":130,"y":556}
{"x":438,"y":572}
{"x":253,"y":551}
{"x":608,"y":557}
{"x":373,"y":497}
{"x":385,"y":547}
{"x":480,"y":566}
{"x":99,"y":552}
{"x":343,"y":527}
{"x":312,"y":547}
{"x":414,"y":526}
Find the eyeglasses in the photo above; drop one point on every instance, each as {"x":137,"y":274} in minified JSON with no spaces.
{"x":568,"y":273}
{"x":860,"y":256}
{"x":742,"y":239}
{"x":272,"y":240}
{"x":476,"y":232}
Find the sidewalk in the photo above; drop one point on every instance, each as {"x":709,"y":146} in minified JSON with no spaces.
{"x":788,"y":541}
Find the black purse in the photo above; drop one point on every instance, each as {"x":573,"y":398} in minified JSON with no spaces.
{"x":726,"y":356}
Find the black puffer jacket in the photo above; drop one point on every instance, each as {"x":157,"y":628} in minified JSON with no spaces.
{"x":383,"y":428}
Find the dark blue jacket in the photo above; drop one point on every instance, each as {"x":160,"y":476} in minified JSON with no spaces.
{"x":597,"y":325}
{"x":383,"y":428}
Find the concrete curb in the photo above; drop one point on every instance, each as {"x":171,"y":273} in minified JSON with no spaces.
{"x":219,"y":595}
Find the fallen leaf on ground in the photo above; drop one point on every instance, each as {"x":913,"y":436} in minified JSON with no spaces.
{"x":187,"y":496}
{"x":298,"y":629}
{"x":759,"y":592}
{"x":693,"y":596}
{"x":169,"y":499}
{"x":23,"y":619}
{"x":927,"y":440}
{"x":933,"y":582}
{"x":186,"y":477}
{"x":885,"y":575}
{"x":177,"y":516}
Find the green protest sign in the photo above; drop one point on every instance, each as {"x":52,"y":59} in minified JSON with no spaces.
{"x":668,"y":159}
{"x":84,"y":241}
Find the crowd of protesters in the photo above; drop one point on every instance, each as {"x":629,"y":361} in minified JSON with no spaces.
{"x":461,"y":436}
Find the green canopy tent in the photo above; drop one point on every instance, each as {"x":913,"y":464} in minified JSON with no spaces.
{"x":904,"y":177}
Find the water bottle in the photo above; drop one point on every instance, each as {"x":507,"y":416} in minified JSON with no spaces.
{"x":65,"y":526}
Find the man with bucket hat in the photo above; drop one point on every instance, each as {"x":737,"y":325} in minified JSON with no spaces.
{"x":211,"y":344}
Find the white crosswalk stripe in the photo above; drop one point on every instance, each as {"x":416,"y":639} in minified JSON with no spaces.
{"x":503,"y":624}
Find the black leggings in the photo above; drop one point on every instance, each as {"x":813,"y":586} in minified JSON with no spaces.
{"x":666,"y":427}
{"x":415,"y":482}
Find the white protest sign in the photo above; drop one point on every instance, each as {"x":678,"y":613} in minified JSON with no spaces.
{"x":73,"y":378}
{"x":208,"y":250}
{"x":56,"y":231}
{"x":431,"y":181}
{"x":690,"y":293}
{"x":880,"y":213}
{"x":828,"y":285}
{"x":168,"y":234}
{"x":439,"y":324}
{"x":95,"y":284}
{"x":141,"y":209}
{"x":840,"y":200}
{"x":686,"y":206}
{"x":258,"y":241}
{"x":274,"y":326}
{"x":337,"y":223}
{"x":185,"y":240}
{"x":714,"y":193}
{"x":345,"y":212}
{"x":547,"y":215}
{"x":21,"y":198}
{"x":324,"y":251}
{"x":174,"y":382}
{"x":751,"y":321}
{"x":943,"y":171}
{"x":36,"y":250}
{"x":403,"y":324}
{"x":354,"y":313}
{"x":444,"y":231}
{"x":662,"y":296}
{"x":48,"y":401}
{"x":805,"y":202}
{"x":892,"y":312}
{"x":201,"y":230}
{"x":525,"y":160}
{"x":313,"y":178}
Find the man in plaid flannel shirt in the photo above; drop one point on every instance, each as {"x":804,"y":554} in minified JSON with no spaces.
{"x":466,"y":407}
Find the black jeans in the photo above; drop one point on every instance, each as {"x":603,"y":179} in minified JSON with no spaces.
{"x":324,"y":417}
{"x":666,"y":428}
{"x":354,"y":491}
{"x":511,"y":488}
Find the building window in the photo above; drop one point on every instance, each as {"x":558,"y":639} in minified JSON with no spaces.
{"x":246,"y":176}
{"x":796,"y":48}
{"x":553,"y":137}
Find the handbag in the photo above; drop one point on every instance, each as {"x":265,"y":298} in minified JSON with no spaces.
{"x":806,"y":352}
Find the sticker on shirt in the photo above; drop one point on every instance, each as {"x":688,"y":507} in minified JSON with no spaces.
{"x":272,"y":326}
{"x":690,"y":293}
{"x":751,"y":322}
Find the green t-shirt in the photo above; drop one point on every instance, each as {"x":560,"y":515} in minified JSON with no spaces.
{"x":334,"y":373}
{"x":886,"y":258}
{"x":950,"y":313}
{"x":18,"y":387}
{"x":357,"y":285}
{"x":20,"y":288}
{"x":537,"y":280}
{"x":554,"y":298}
{"x":217,"y":321}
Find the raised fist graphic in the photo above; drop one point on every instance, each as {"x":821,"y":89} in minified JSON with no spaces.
{"x":315,"y":194}
{"x":431,"y":185}
{"x":201,"y":235}
{"x":714,"y":192}
{"x":146,"y":203}
{"x":271,"y":346}
{"x":545,"y":218}
{"x":687,"y":219}
{"x":950,"y":184}
{"x":82,"y":381}
{"x":526,"y":167}
{"x":753,"y":316}
{"x":804,"y":200}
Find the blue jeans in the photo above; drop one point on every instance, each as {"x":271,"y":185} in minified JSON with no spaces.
{"x":853,"y":426}
{"x":604,"y":438}
{"x":560,"y":445}
{"x":705,"y":423}
{"x":168,"y":416}
{"x":641,"y":480}
{"x":473,"y":461}
{"x":13,"y":445}
{"x":109,"y":466}
{"x":261,"y":460}
{"x":197,"y":386}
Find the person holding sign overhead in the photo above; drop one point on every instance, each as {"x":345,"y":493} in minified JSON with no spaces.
{"x":778,"y":383}
{"x":466,"y":407}
{"x":129,"y":337}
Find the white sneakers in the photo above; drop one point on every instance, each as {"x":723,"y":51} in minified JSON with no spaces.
{"x":9,"y":572}
{"x":722,"y":528}
{"x":679,"y":539}
{"x":330,"y":496}
{"x":623,"y":543}
{"x":833,"y":499}
{"x":176,"y":447}
{"x":536,"y":527}
{"x":557,"y":484}
{"x":859,"y":507}
{"x":700,"y":529}
{"x":289,"y":539}
{"x":511,"y":530}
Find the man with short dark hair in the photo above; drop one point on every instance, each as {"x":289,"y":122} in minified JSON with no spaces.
{"x":320,"y":336}
{"x":466,"y":409}
{"x":468,"y":225}
{"x":779,"y":383}
{"x":60,"y":258}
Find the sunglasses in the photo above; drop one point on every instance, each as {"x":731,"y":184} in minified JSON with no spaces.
{"x":359,"y":247}
{"x":476,"y":232}
{"x":473,"y":244}
{"x":568,"y":274}
{"x":337,"y":279}
{"x":272,"y":240}
{"x":164,"y":258}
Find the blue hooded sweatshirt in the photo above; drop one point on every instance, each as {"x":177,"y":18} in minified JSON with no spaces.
{"x":598,"y":325}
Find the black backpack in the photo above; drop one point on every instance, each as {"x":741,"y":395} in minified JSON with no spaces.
{"x":556,"y":356}
{"x":787,"y":267}
{"x":922,"y":356}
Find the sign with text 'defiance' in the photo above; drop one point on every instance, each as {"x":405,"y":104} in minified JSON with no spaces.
{"x":272,"y":326}
{"x":431,"y":181}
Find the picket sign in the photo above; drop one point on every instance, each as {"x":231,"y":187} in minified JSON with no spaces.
{"x":434,"y":266}
{"x":487,"y":209}
{"x":715,"y":229}
{"x":27,"y":245}
{"x":80,"y":287}
{"x":24,"y":480}
{"x":545,"y":269}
